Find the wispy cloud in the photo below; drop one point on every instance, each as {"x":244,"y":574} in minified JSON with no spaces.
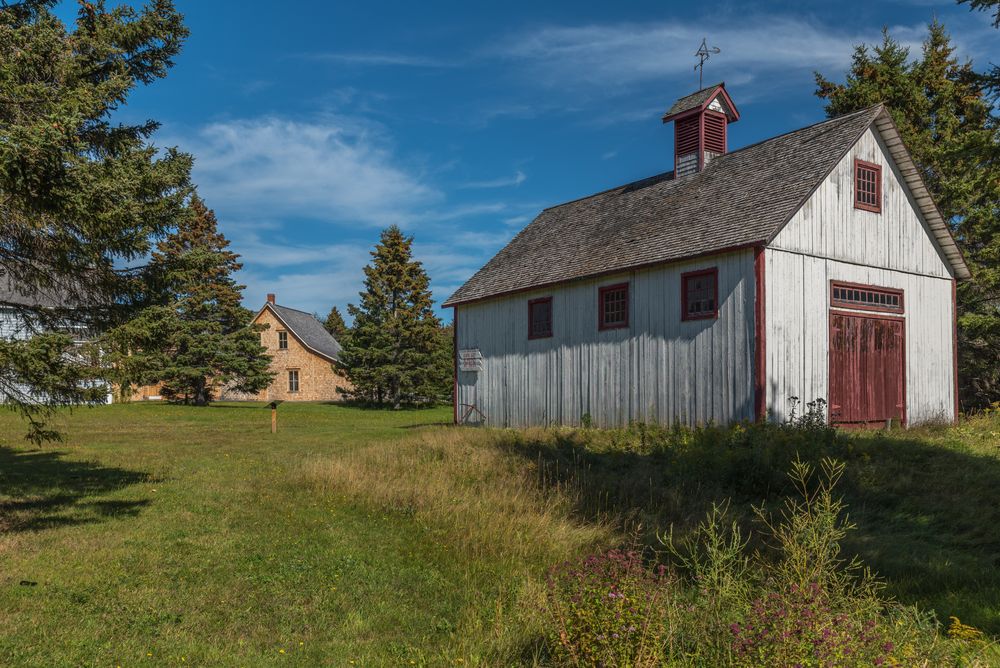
{"x":621,"y":54}
{"x":517,"y":179}
{"x":379,"y":59}
{"x":338,"y":169}
{"x":517,"y":220}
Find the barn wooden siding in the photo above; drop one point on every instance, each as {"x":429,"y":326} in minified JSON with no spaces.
{"x":658,"y":369}
{"x":828,"y":239}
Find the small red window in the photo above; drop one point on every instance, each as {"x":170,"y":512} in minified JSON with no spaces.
{"x":540,"y":318}
{"x":700,"y":294}
{"x":866,"y":297}
{"x":612,"y":305}
{"x":867,"y":186}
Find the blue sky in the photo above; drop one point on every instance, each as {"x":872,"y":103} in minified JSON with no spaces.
{"x":315,"y":127}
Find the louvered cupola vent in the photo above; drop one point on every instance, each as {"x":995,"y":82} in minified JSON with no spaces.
{"x":700,"y":123}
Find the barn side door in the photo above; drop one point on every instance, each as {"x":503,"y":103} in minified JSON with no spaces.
{"x":867,"y":369}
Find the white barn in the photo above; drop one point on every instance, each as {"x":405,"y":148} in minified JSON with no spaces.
{"x":810,"y":265}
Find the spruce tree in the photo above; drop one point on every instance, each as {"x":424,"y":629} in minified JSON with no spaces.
{"x":992,"y":6}
{"x":200,"y":339}
{"x":943,"y":113}
{"x":389,"y":356}
{"x":82,"y":196}
{"x":335,"y":324}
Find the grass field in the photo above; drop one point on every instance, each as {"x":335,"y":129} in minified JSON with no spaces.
{"x":160,"y":534}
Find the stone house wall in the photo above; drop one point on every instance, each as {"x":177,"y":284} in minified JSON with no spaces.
{"x":318,"y":381}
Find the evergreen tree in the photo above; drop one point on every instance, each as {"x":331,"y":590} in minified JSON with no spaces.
{"x":389,"y":356}
{"x":985,"y":6}
{"x":81,"y":196}
{"x":200,"y":339}
{"x":941,"y":108}
{"x":444,"y":361}
{"x":335,"y":324}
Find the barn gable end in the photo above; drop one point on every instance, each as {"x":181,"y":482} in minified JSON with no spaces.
{"x":899,"y":247}
{"x":899,"y":237}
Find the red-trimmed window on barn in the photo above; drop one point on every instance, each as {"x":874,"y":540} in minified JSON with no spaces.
{"x":700,"y":294}
{"x":540,"y":318}
{"x":612,"y":304}
{"x":867,"y":186}
{"x":865,"y":297}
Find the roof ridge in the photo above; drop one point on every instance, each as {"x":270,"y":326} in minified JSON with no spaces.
{"x":621,"y":186}
{"x":842,"y":117}
{"x":297,"y":310}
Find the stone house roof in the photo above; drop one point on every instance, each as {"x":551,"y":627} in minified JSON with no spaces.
{"x":307,"y":329}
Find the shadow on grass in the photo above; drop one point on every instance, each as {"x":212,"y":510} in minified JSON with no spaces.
{"x":927,"y":515}
{"x":42,"y":489}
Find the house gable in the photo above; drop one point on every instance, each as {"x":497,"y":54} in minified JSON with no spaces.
{"x":315,"y":378}
{"x":271,"y":316}
{"x":899,"y":237}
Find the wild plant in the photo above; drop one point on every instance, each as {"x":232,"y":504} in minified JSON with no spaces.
{"x":608,"y":611}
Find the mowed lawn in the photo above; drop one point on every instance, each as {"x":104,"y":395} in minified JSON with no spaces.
{"x":163,"y":534}
{"x":169,"y":535}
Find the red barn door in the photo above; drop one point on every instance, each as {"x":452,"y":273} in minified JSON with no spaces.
{"x":867,"y":369}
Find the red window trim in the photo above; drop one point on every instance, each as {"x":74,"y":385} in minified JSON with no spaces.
{"x":839,"y":303}
{"x":531,"y":328}
{"x":601,"y":325}
{"x":714,"y":272}
{"x":878,"y":186}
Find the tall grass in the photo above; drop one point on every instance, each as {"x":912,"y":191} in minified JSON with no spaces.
{"x":487,"y":503}
{"x":511,"y":504}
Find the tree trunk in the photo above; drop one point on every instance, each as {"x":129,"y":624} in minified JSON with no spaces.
{"x":201,"y":394}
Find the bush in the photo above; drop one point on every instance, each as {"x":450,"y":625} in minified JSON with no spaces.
{"x":797,"y":602}
{"x":802,"y":626}
{"x":608,"y":611}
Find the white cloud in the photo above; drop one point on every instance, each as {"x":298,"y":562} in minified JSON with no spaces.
{"x":617,"y":55}
{"x":378,"y":58}
{"x":517,"y":220}
{"x":310,"y":291}
{"x":338,"y":169}
{"x":517,"y":179}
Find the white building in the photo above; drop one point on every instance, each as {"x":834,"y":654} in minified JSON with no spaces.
{"x":20,"y":310}
{"x":810,"y":265}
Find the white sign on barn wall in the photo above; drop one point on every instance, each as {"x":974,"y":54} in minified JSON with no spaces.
{"x":470,"y":359}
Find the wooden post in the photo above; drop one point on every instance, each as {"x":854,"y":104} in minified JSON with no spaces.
{"x":274,"y":419}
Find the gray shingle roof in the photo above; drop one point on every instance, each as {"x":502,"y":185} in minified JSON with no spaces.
{"x":307,"y":329}
{"x":695,"y":99}
{"x":740,"y":199}
{"x":16,"y":293}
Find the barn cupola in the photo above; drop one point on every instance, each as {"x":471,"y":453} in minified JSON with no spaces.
{"x":700,"y":120}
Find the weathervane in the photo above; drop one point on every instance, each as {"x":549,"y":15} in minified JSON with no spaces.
{"x":704,"y":53}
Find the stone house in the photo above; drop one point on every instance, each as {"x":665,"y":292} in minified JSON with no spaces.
{"x":302,"y":354}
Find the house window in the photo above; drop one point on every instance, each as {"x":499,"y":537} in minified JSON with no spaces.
{"x":700,"y":294}
{"x":282,"y":340}
{"x":613,"y":307}
{"x":540,"y":318}
{"x":866,"y":297}
{"x":293,"y":380}
{"x":867,"y":186}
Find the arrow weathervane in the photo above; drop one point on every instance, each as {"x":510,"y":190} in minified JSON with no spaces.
{"x":704,"y":53}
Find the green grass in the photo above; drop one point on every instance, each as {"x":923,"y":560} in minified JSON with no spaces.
{"x":160,"y":534}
